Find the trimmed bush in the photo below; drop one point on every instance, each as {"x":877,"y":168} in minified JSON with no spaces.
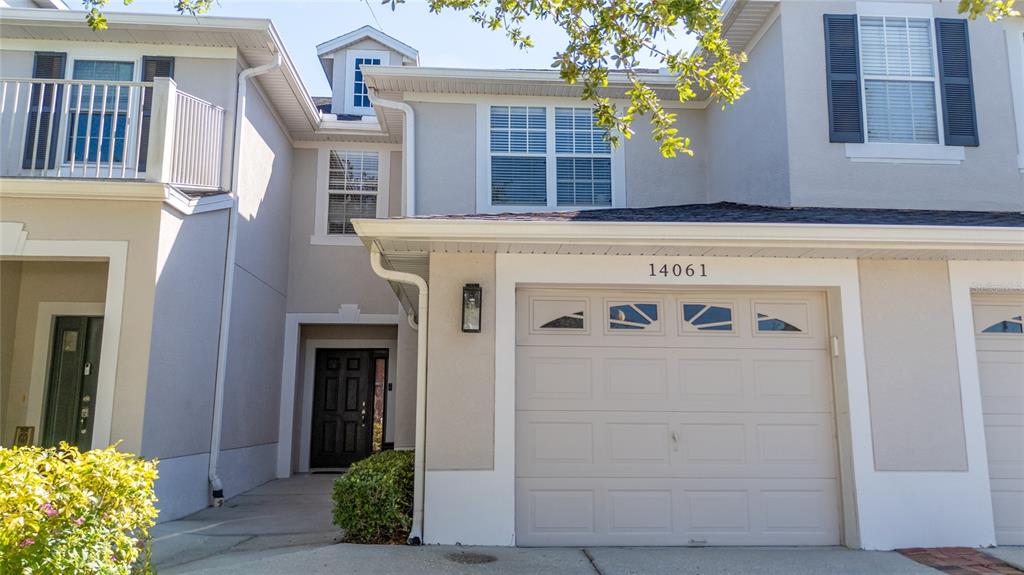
{"x":373,"y":500}
{"x":64,"y":511}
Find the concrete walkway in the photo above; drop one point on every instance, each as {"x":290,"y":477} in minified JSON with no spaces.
{"x":284,"y":527}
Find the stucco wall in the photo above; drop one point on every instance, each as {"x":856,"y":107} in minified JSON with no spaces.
{"x":654,"y":180}
{"x":10,"y":291}
{"x":445,"y":158}
{"x":322,"y":278}
{"x":186,"y":327}
{"x":136,"y":223}
{"x":460,"y":367}
{"x":748,"y":159}
{"x":405,"y":388}
{"x":821,"y":174}
{"x":913,"y":378}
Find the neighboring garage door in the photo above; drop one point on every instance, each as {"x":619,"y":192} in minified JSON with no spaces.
{"x":674,"y":418}
{"x":1000,"y":338}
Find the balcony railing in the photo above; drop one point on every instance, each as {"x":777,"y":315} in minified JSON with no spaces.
{"x":116,"y":130}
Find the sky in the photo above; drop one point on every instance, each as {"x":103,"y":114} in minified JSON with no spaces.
{"x":449,"y":39}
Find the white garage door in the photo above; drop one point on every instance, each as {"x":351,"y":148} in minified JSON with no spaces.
{"x":674,"y":418}
{"x":1000,"y":338}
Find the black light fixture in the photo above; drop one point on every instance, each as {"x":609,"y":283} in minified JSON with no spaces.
{"x":472,"y":295}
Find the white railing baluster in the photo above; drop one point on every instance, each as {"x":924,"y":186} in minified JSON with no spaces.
{"x":15,"y":110}
{"x":49,"y":128}
{"x":62,"y":141}
{"x":74,"y":133}
{"x":88,"y":130}
{"x":39,"y":121}
{"x":99,"y":135}
{"x":113,"y":132}
{"x":138,"y":132}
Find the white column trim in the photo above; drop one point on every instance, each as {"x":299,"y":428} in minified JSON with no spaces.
{"x":347,"y":314}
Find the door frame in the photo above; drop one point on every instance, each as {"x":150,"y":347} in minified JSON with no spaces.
{"x":42,"y":351}
{"x":309,"y":379}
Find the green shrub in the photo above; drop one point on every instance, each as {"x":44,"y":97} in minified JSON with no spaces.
{"x":373,"y":500}
{"x":63,"y":511}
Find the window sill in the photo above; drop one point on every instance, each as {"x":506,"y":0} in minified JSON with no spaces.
{"x":905,"y":153}
{"x":338,"y":240}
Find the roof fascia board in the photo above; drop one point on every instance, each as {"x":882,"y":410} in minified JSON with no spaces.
{"x":358,"y":34}
{"x":58,"y":18}
{"x":671,"y":233}
{"x":82,"y":49}
{"x":483,"y":74}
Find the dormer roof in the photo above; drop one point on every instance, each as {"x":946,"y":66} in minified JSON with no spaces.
{"x":410,"y":54}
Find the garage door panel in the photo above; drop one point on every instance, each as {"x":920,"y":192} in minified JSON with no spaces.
{"x":1001,"y":374}
{"x":660,"y":444}
{"x":1004,"y":440}
{"x":1008,"y":510}
{"x":624,"y":511}
{"x":685,"y":380}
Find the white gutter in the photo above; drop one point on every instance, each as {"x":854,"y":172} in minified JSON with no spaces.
{"x":216,"y":487}
{"x":408,"y":149}
{"x":420,"y":325}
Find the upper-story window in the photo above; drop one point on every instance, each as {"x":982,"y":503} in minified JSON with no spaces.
{"x":900,"y":86}
{"x":898,"y":65}
{"x":352,"y":185}
{"x":357,"y":94}
{"x":545,"y":157}
{"x":99,"y":115}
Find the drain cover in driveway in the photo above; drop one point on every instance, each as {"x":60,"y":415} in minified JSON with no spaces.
{"x":468,"y":558}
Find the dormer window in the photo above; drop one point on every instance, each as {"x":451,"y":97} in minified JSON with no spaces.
{"x":357,"y":95}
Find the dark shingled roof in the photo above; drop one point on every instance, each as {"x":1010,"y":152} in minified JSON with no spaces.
{"x":323,"y":103}
{"x":728,"y":212}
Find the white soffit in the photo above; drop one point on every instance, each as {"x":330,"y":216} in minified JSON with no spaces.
{"x":743,"y":21}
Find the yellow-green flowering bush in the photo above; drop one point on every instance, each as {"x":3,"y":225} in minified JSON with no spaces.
{"x":64,"y":511}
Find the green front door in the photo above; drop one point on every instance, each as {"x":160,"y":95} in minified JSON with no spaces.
{"x":71,"y":390}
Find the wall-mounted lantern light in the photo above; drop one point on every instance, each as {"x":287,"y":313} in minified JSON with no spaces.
{"x":472,"y":295}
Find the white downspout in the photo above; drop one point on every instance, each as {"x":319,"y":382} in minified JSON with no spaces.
{"x":409,"y":151}
{"x":419,"y":459}
{"x":216,"y":487}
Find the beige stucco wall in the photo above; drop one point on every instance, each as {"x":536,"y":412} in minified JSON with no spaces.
{"x":137,"y":223}
{"x":913,"y":377}
{"x":460,"y":367}
{"x":10,"y":291}
{"x":405,"y":387}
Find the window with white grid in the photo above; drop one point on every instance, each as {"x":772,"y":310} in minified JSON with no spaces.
{"x":518,"y":144}
{"x":898,"y":66}
{"x":352,"y":189}
{"x":583,"y":157}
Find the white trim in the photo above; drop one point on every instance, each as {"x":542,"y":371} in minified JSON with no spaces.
{"x":41,"y":353}
{"x":350,"y":78}
{"x":1015,"y":55}
{"x":765,"y":26}
{"x":320,"y":236}
{"x":187,"y":205}
{"x":905,"y":153}
{"x":347,"y":39}
{"x":483,"y":159}
{"x":116,"y":254}
{"x":309,"y":368}
{"x":347,"y":314}
{"x":895,"y":9}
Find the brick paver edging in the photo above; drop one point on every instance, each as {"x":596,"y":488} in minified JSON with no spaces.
{"x":960,"y":561}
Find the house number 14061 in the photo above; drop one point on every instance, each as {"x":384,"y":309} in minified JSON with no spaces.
{"x":679,"y":271}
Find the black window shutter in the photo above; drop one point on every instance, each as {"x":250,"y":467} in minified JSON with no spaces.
{"x":842,"y":73}
{"x":44,"y":122}
{"x":958,"y":114}
{"x":152,"y":67}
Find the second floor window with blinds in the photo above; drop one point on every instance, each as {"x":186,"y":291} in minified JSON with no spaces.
{"x":898,"y":65}
{"x":520,"y":157}
{"x":352,"y":189}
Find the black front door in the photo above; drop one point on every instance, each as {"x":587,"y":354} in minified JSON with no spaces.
{"x":71,"y":390}
{"x":342,"y":408}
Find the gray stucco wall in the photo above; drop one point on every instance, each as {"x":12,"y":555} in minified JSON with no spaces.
{"x":821,"y":175}
{"x":183,"y":345}
{"x":445,"y":158}
{"x":654,"y":180}
{"x":748,"y":158}
{"x":322,"y":278}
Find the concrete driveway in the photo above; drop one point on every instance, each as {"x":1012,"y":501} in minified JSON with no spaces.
{"x":284,"y":527}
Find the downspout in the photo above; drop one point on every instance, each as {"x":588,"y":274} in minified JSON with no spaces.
{"x":216,"y":487}
{"x":419,"y":465}
{"x":409,"y":151}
